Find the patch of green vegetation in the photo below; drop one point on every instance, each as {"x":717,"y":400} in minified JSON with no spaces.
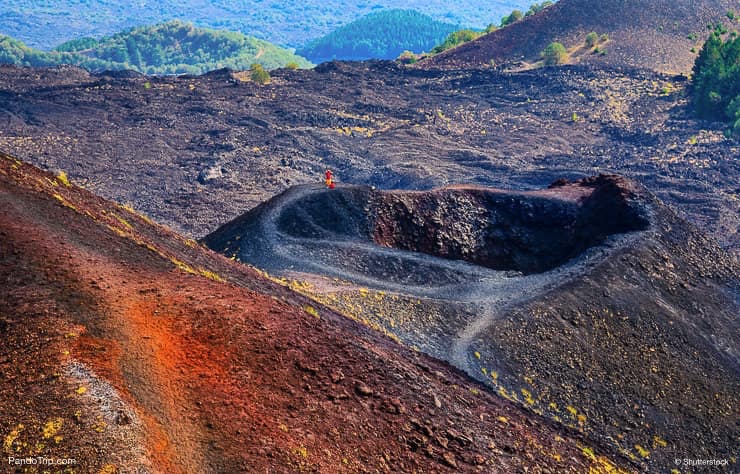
{"x":716,"y":80}
{"x":174,"y":47}
{"x":456,"y":38}
{"x":407,"y":57}
{"x":512,"y":17}
{"x":517,"y":15}
{"x":592,"y":39}
{"x":538,"y":7}
{"x":554,"y":53}
{"x":382,"y":35}
{"x":259,"y":75}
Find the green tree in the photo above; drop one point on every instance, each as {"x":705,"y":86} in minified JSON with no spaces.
{"x":515,"y":16}
{"x":554,"y":53}
{"x":716,"y":79}
{"x":259,"y":75}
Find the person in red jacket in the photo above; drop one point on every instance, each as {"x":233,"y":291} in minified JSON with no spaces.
{"x":329,"y":179}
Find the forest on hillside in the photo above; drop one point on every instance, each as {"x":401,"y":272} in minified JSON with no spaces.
{"x":173,"y":47}
{"x":382,"y":35}
{"x":45,"y":24}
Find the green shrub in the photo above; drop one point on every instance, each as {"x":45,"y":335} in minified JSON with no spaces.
{"x":515,"y":16}
{"x":292,"y":65}
{"x":259,"y":75}
{"x":604,"y":38}
{"x":554,"y":53}
{"x":592,"y":39}
{"x":407,"y":57}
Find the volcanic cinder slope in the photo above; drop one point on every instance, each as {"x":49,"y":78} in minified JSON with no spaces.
{"x":655,"y":34}
{"x":589,"y":302}
{"x":125,"y":346}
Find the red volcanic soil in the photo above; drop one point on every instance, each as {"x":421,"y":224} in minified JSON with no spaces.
{"x":126,"y":346}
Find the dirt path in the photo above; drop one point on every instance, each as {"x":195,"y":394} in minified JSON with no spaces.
{"x":487,"y":293}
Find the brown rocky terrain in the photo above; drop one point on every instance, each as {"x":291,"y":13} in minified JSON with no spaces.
{"x":589,"y":302}
{"x":655,"y":34}
{"x":126,"y":347}
{"x":195,"y":152}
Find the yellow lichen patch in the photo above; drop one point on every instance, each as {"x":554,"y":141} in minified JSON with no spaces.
{"x":642,"y":451}
{"x":503,"y":419}
{"x":11,"y":437}
{"x":183,"y":266}
{"x":363,"y":292}
{"x":123,"y":221}
{"x":81,"y":389}
{"x":302,"y":452}
{"x":554,"y":406}
{"x":62,"y":178}
{"x":211,"y":275}
{"x":107,"y":469}
{"x":527,"y":396}
{"x":658,"y":441}
{"x":117,"y":231}
{"x":573,"y":412}
{"x":581,"y":418}
{"x":588,"y":452}
{"x":476,"y":354}
{"x":311,"y":310}
{"x":64,"y":202}
{"x":603,"y":465}
{"x":52,"y":427}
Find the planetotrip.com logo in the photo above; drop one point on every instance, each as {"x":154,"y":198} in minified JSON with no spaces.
{"x":41,"y":461}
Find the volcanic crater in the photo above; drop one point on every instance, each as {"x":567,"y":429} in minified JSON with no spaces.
{"x":564,"y":299}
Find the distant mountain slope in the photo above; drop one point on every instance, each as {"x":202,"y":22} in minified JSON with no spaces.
{"x":382,"y":35}
{"x":658,"y":34}
{"x":46,"y":24}
{"x":130,"y":349}
{"x":167,"y":48}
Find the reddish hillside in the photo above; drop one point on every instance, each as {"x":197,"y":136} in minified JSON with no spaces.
{"x":655,"y":34}
{"x":126,"y":346}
